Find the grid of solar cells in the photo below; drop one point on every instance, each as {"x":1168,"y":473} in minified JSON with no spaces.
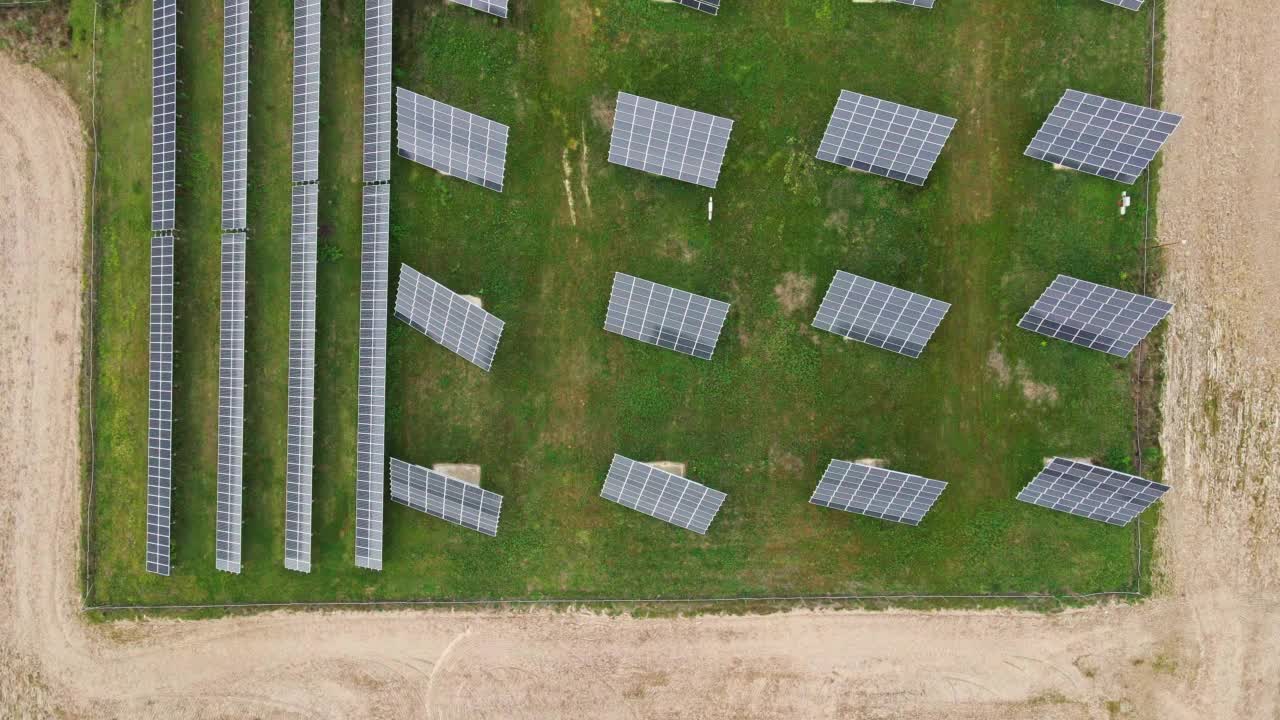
{"x":1126,"y":4}
{"x":877,"y":314}
{"x":493,"y":7}
{"x":658,"y":493}
{"x":230,"y":405}
{"x":876,"y":492}
{"x":1100,"y":136}
{"x":711,"y":7}
{"x":1094,"y":316}
{"x":164,"y":46}
{"x":884,"y":138}
{"x":917,"y":3}
{"x":447,"y":498}
{"x":160,"y":406}
{"x":306,"y":90}
{"x":446,"y":317}
{"x":235,"y":112}
{"x":371,"y":413}
{"x":453,"y":141}
{"x":1090,"y":491}
{"x":664,"y":316}
{"x":302,"y":375}
{"x":377,"y":90}
{"x":668,"y":140}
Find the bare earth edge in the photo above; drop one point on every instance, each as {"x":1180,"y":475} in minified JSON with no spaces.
{"x":1208,"y":646}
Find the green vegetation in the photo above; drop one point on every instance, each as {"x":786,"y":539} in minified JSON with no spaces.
{"x":980,"y":409}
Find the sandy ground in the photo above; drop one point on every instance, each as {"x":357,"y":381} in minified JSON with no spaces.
{"x":1207,"y":647}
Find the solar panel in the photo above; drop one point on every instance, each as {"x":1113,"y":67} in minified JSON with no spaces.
{"x":493,"y":7}
{"x":884,"y":138}
{"x":877,"y":314}
{"x":230,"y":405}
{"x":160,"y":406}
{"x":235,"y":113}
{"x":917,"y":3}
{"x":668,"y":140}
{"x":664,"y":316}
{"x":875,"y":492}
{"x":371,"y":412}
{"x":450,"y":140}
{"x":444,"y":316}
{"x":1090,"y":491}
{"x":377,"y":90}
{"x":1094,"y":316}
{"x":306,"y":90}
{"x":447,"y":498}
{"x":711,"y":7}
{"x":657,"y":493}
{"x":1100,"y":136}
{"x":302,"y":378}
{"x":164,"y":46}
{"x":1126,"y":4}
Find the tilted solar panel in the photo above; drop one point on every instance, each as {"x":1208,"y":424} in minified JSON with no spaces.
{"x":1126,"y":4}
{"x":235,"y":113}
{"x":875,"y":492}
{"x":306,"y":90}
{"x":160,"y":406}
{"x":880,"y":315}
{"x":668,"y":140}
{"x":664,"y":316}
{"x":660,"y":494}
{"x":711,"y":7}
{"x":450,"y":140}
{"x":917,"y":3}
{"x":164,"y":45}
{"x":884,"y":138}
{"x":493,"y":7}
{"x":371,"y":413}
{"x":1100,"y":136}
{"x":446,"y":317}
{"x":302,"y":378}
{"x":447,"y":498}
{"x":1090,"y":491}
{"x":230,"y":405}
{"x":377,"y":90}
{"x":1094,"y":316}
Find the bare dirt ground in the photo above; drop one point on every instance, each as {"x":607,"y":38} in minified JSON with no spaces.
{"x":1208,"y":646}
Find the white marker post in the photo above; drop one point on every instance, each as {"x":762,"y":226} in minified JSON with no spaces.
{"x":711,"y":202}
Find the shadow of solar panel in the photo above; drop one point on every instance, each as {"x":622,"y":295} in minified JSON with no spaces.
{"x":1126,"y":4}
{"x":664,"y":316}
{"x":668,"y":140}
{"x":876,"y":492}
{"x":657,"y":493}
{"x":917,"y":3}
{"x":377,"y":91}
{"x":444,"y":497}
{"x":306,"y":91}
{"x":710,"y":7}
{"x":164,"y":47}
{"x":235,"y":113}
{"x":887,"y":317}
{"x":1094,"y":316}
{"x":446,"y":317}
{"x":1092,"y":492}
{"x":1100,"y":136}
{"x":453,"y":141}
{"x":160,"y":406}
{"x":372,"y":380}
{"x":884,"y":138}
{"x":493,"y":7}
{"x":302,"y":375}
{"x":230,"y":405}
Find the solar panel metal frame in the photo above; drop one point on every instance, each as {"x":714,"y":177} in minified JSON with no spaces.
{"x":160,"y":407}
{"x":1103,"y":137}
{"x":668,"y":140}
{"x":372,"y":385}
{"x":164,"y":45}
{"x":1126,"y":4}
{"x":235,"y":113}
{"x":710,"y":7}
{"x":1094,"y":316}
{"x":377,"y":91}
{"x":884,"y":138}
{"x":926,"y":4}
{"x":664,"y":316}
{"x":1093,"y":492}
{"x":876,"y":492}
{"x":446,"y":317}
{"x":306,"y":91}
{"x":493,"y":7}
{"x":453,"y":141}
{"x":302,"y":378}
{"x":879,"y":315}
{"x":445,"y":497}
{"x":657,"y":493}
{"x":230,"y":505}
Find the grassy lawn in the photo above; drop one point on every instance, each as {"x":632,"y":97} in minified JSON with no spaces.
{"x":980,"y":409}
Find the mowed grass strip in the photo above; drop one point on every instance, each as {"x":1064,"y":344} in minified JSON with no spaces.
{"x":980,"y":409}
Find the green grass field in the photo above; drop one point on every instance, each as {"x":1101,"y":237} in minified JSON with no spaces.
{"x":980,"y":409}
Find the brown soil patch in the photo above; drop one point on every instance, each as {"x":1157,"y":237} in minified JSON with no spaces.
{"x":999,"y":366}
{"x":795,"y":291}
{"x":602,"y":109}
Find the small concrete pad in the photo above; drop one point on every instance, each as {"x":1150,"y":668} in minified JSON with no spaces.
{"x":675,"y":468}
{"x":474,"y":300}
{"x":873,"y":462}
{"x":465,"y":473}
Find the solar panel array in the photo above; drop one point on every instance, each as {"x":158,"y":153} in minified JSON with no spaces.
{"x":1126,"y":4}
{"x":1090,"y":491}
{"x":664,"y":316}
{"x":668,"y":140}
{"x":447,"y":498}
{"x":160,"y":406}
{"x":164,"y":79}
{"x":1094,"y":316}
{"x":493,"y":7}
{"x":658,"y":493}
{"x":917,"y":3}
{"x":302,"y":377}
{"x":446,"y":317}
{"x":884,"y":138}
{"x":877,"y":314}
{"x":875,"y":492}
{"x":371,"y":413}
{"x":711,"y":7}
{"x":306,"y":91}
{"x":230,"y":405}
{"x":377,"y":90}
{"x":450,"y":140}
{"x":235,"y":113}
{"x":1100,"y":136}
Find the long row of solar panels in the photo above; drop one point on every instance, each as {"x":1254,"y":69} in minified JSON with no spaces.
{"x":164,"y":93}
{"x":371,"y":413}
{"x":377,"y":91}
{"x":302,"y":372}
{"x":306,"y":91}
{"x":235,"y":113}
{"x":230,"y":405}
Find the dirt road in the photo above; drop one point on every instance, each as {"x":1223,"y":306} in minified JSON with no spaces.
{"x":1207,"y":647}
